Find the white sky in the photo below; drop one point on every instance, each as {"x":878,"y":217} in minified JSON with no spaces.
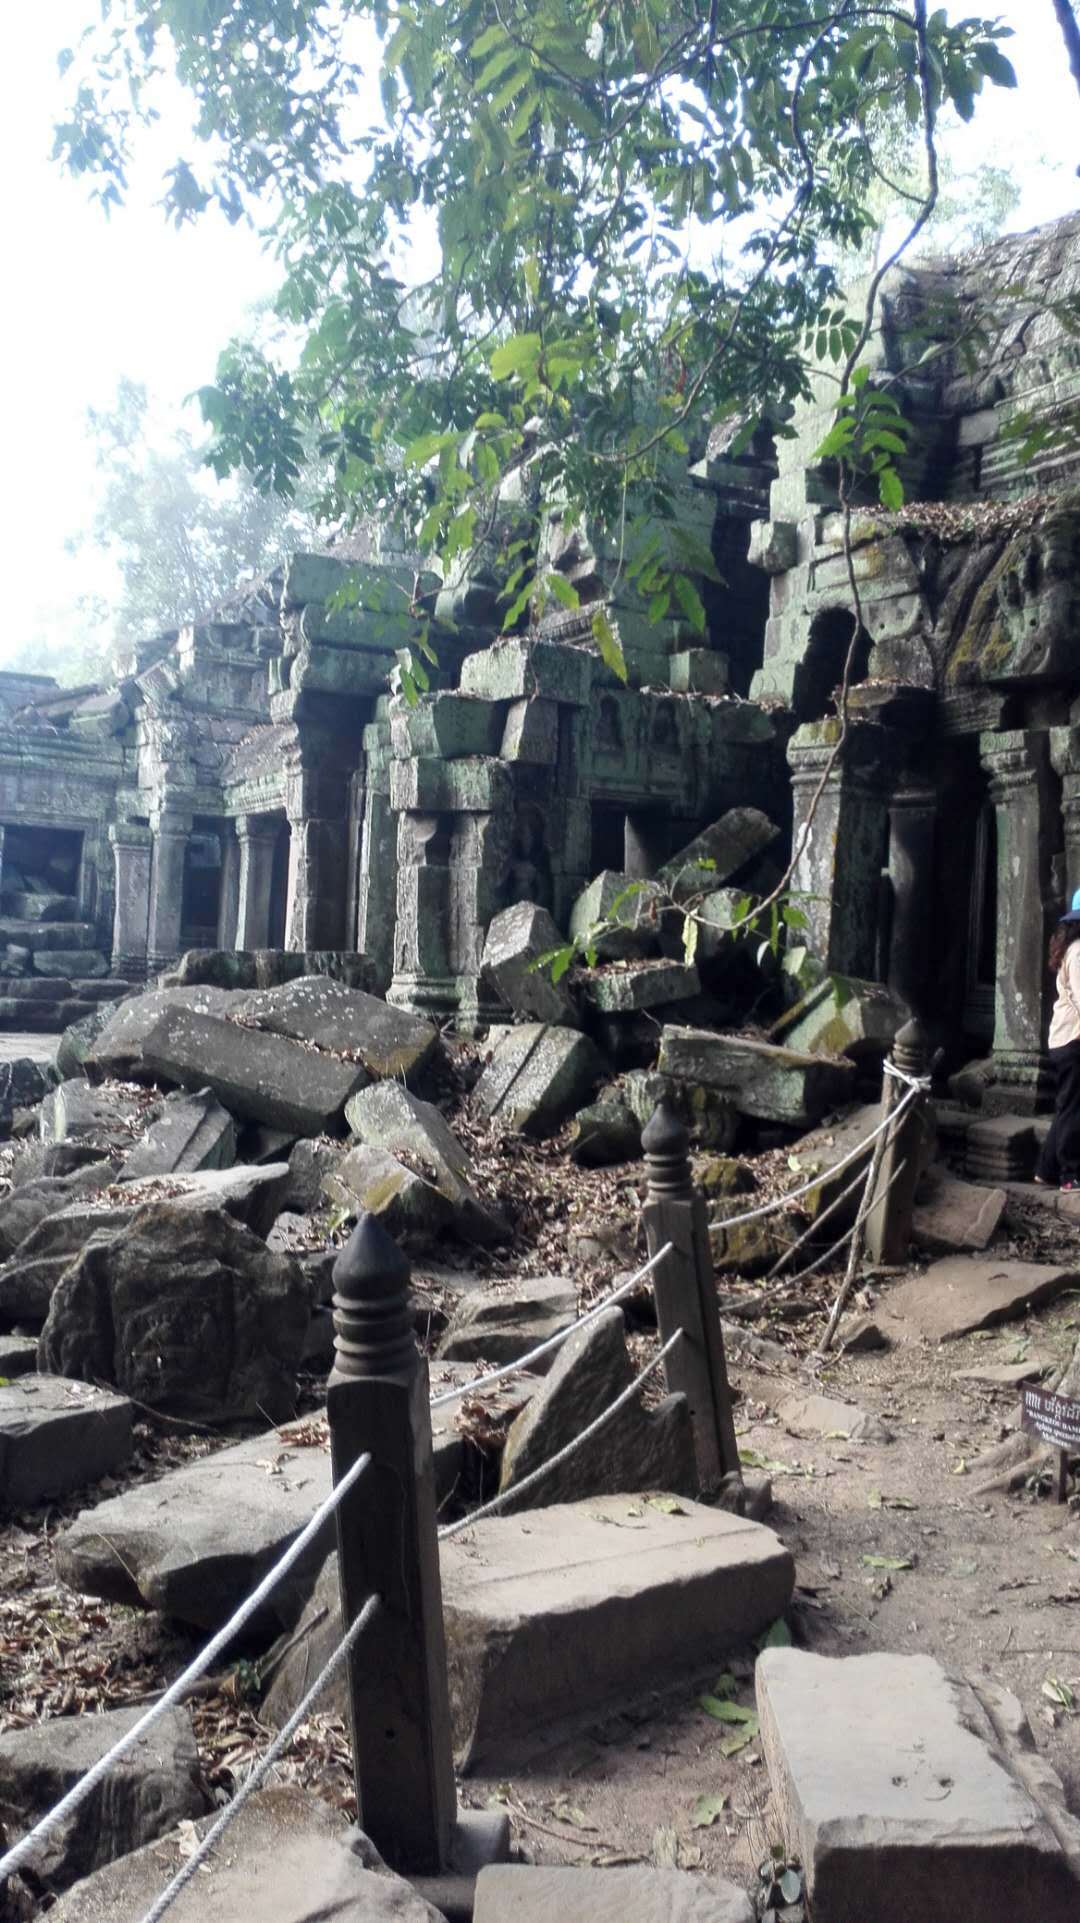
{"x":92,"y":299}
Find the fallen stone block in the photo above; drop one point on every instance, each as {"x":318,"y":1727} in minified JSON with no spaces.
{"x":290,"y":1859}
{"x":710,"y":1115}
{"x":622,"y":988}
{"x":118,"y":1048}
{"x":951,"y":1216}
{"x":637,"y":1449}
{"x":718,"y":853}
{"x":515,"y":943}
{"x":501,"y":1326}
{"x":151,"y":1789}
{"x":829,"y":1418}
{"x":555,"y":1617}
{"x":604,"y":1134}
{"x":194,"y":1317}
{"x":963,"y":1293}
{"x":58,"y":1435}
{"x":87,"y":962}
{"x":189,"y":1132}
{"x":524,"y":1893}
{"x":747,"y":1248}
{"x":386,"y":1116}
{"x":77,"y":1042}
{"x":1000,"y":1148}
{"x":28,"y":1280}
{"x":537,"y":1076}
{"x":197,"y":1541}
{"x":388,"y":1042}
{"x":309,"y":1165}
{"x":266,"y":1078}
{"x":406,"y":1204}
{"x":34,"y":1202}
{"x":909,"y":1793}
{"x":254,"y":1196}
{"x":767,"y":1083}
{"x":108,"y":1117}
{"x":22,"y":1083}
{"x":631,"y":905}
{"x":861,"y":1020}
{"x":1002,"y":1375}
{"x":42,"y":1161}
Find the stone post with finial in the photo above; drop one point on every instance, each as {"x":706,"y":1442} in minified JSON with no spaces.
{"x":904,"y":1156}
{"x":378,"y":1401}
{"x":685,"y":1289}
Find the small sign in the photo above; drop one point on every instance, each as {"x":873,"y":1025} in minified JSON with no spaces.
{"x":1055,"y":1418}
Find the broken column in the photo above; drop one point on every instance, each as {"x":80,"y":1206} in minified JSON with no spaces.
{"x":843,"y":847}
{"x":257,"y":835}
{"x":132,"y":846}
{"x":317,"y":807}
{"x":1018,"y":764}
{"x":229,"y":904}
{"x":171,"y":834}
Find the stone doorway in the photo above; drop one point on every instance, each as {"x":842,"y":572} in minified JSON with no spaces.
{"x":279,"y":886}
{"x":42,"y":872}
{"x":203,"y":864}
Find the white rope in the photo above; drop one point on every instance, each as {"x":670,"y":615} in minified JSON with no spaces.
{"x":77,"y":1794}
{"x":920,"y":1083}
{"x":826,"y":1175}
{"x":563,"y":1455}
{"x":554,"y":1341}
{"x":260,"y":1769}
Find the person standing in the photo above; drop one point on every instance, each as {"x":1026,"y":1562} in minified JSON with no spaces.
{"x":1059,"y":1161}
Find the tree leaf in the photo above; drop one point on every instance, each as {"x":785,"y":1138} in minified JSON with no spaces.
{"x":887,"y":1562}
{"x":707,"y":1811}
{"x":607,"y":641}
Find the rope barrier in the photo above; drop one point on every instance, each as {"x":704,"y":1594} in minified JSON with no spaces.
{"x":554,"y":1341}
{"x":837,"y":1168}
{"x":261,"y":1769}
{"x":563,"y":1455}
{"x":77,"y":1794}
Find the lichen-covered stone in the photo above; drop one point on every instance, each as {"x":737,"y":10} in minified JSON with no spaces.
{"x":718,"y":853}
{"x":517,"y":940}
{"x":605,"y":1133}
{"x":537,"y":1076}
{"x":386,"y":1116}
{"x":630,"y":905}
{"x":771,"y":1084}
{"x":624,"y":987}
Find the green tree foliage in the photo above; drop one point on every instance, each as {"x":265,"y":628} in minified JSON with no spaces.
{"x":531,"y":245}
{"x":181,"y":542}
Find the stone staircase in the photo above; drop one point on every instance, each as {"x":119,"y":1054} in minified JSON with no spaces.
{"x":51,"y":971}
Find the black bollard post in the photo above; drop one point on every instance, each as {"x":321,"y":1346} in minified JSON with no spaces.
{"x":378,"y":1402}
{"x":685,"y":1287}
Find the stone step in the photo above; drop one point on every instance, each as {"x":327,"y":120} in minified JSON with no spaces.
{"x":37,"y":1017}
{"x":56,"y":1436}
{"x":37,"y":988}
{"x":112,"y":989}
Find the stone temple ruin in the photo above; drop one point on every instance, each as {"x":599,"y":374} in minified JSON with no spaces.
{"x":249,"y":784}
{"x":259,"y":899}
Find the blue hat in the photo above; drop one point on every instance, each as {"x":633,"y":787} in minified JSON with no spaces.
{"x":1073,"y":913}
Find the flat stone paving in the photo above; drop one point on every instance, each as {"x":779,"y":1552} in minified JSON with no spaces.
{"x":39,"y":1047}
{"x":963,"y":1292}
{"x":909,"y":1798}
{"x":516,"y":1893}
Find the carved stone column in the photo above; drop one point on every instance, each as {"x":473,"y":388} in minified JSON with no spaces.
{"x":844,"y":848}
{"x":912,"y":820}
{"x":229,"y":905}
{"x":1028,"y":834}
{"x":318,"y":885}
{"x":132,"y":847}
{"x":171,"y":834}
{"x":376,"y":888}
{"x":424,"y":976}
{"x":257,"y":836}
{"x":1065,"y":757}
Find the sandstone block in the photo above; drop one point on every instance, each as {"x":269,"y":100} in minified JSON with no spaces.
{"x":150,"y":1790}
{"x":266,"y":1078}
{"x":630,"y":905}
{"x":699,"y":671}
{"x":905,"y":1793}
{"x":386,"y":1116}
{"x":861,"y":1021}
{"x":718,"y":853}
{"x":191,"y":1131}
{"x":515,"y":1893}
{"x":965,"y":1292}
{"x":373,"y":1179}
{"x":624,"y":987}
{"x":605,"y":1133}
{"x":538,"y":1076}
{"x":387,"y":1041}
{"x":509,"y":1318}
{"x":514,"y":668}
{"x":118,"y":1049}
{"x":769,"y":1083}
{"x":108,"y":1118}
{"x":531,"y":733}
{"x":57,"y":1435}
{"x":516,"y":940}
{"x":951,"y":1216}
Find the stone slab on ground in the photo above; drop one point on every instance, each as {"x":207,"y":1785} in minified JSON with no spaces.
{"x":621,"y":988}
{"x":32,"y":1203}
{"x":953,"y":1216}
{"x":151,"y":1789}
{"x":373,"y":1179}
{"x":862,"y":1022}
{"x":827,"y":1416}
{"x":523,"y":1893}
{"x":509,"y":1318}
{"x":194,"y":1543}
{"x":266,"y":1078}
{"x":57,"y":1435}
{"x":18,"y":1356}
{"x":764,"y":1082}
{"x":906,"y":1795}
{"x":966,"y":1292}
{"x":107,"y":1117}
{"x":1005,"y":1375}
{"x":537,"y":1076}
{"x":718,"y":853}
{"x":557,"y":1613}
{"x":251,"y":1193}
{"x":289,"y":1858}
{"x":29,"y":1278}
{"x":387,"y":1041}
